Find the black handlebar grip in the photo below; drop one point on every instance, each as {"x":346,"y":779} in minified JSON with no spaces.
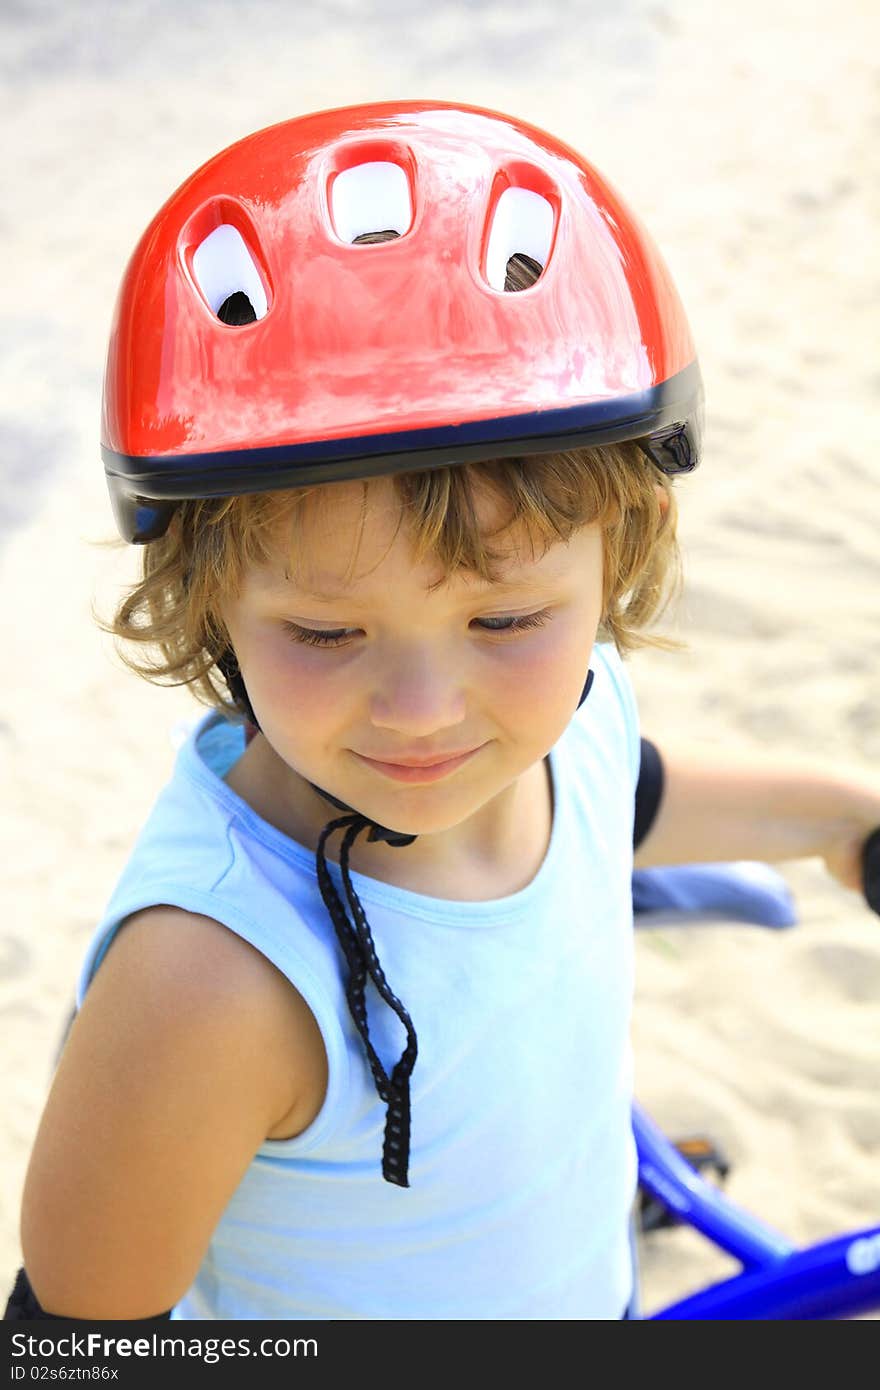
{"x":871,"y":870}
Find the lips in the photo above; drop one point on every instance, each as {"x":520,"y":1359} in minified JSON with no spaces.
{"x":432,"y":772}
{"x":419,"y":762}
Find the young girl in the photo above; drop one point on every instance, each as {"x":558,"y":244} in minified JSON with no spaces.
{"x":393,"y":400}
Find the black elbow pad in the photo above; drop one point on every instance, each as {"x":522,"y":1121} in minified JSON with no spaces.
{"x":648,"y":792}
{"x":24,"y":1306}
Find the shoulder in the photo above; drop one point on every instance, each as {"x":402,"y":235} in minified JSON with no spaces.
{"x":164,"y":957}
{"x":189,"y":953}
{"x":204,"y":984}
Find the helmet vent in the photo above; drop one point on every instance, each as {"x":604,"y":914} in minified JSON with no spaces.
{"x":237,"y":310}
{"x":522,"y":229}
{"x":370,"y":197}
{"x":521,"y":272}
{"x":373,"y":238}
{"x":228,"y":278}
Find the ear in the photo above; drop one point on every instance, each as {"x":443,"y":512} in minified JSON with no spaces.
{"x":662,"y":497}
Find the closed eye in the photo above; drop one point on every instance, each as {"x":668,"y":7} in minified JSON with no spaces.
{"x":336,"y":637}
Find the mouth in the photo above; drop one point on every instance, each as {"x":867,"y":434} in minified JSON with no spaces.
{"x":432,"y":772}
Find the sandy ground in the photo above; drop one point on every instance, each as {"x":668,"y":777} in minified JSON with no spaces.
{"x":747,"y":139}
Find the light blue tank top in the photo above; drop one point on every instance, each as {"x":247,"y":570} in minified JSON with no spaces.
{"x":523,"y":1167}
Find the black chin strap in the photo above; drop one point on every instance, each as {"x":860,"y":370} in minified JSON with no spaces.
{"x":360,"y":953}
{"x":586,"y":690}
{"x":232,"y":675}
{"x":357,"y":946}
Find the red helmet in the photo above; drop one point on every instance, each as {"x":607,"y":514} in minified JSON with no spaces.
{"x":360,"y":359}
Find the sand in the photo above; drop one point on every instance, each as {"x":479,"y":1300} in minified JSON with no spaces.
{"x":747,"y":141}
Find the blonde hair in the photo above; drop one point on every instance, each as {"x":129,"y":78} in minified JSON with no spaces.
{"x":172,"y":615}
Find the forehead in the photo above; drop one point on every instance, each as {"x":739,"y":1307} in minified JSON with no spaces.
{"x":339,"y":537}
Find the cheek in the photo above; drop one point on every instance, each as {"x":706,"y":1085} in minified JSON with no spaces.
{"x":281,"y":674}
{"x":546,"y":673}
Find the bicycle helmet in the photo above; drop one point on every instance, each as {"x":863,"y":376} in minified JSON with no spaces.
{"x":258,"y":343}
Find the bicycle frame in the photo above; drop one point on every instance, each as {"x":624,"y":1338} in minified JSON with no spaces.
{"x":832,"y":1279}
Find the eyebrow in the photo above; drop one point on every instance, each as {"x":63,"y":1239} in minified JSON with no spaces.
{"x":330,"y":595}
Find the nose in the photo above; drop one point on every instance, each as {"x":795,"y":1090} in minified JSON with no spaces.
{"x":417,"y":695}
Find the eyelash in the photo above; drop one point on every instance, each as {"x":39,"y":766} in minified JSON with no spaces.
{"x":314,"y":637}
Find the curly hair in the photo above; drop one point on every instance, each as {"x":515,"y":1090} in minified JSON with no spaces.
{"x":172,"y":615}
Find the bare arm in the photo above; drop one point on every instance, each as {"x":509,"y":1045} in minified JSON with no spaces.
{"x":735,"y":806}
{"x":175,"y":1070}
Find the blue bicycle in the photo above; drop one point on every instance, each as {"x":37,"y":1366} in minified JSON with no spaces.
{"x":837,"y":1278}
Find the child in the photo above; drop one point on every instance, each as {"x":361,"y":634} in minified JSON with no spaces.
{"x":393,"y":400}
